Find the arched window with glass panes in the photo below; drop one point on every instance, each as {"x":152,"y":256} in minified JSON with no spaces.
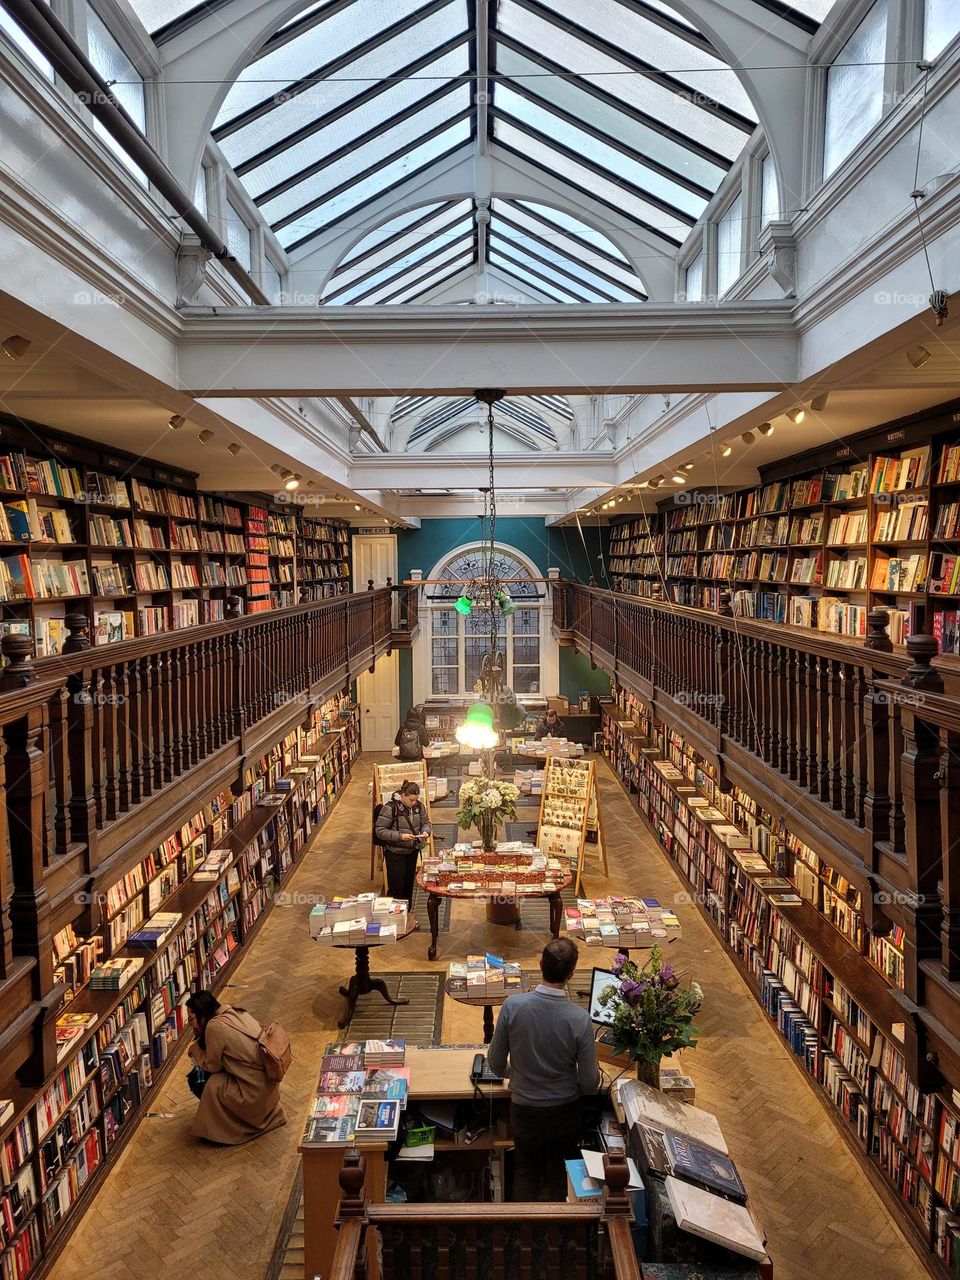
{"x":458,"y":642}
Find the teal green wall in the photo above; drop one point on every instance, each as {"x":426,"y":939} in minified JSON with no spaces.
{"x":547,"y":546}
{"x":576,"y":674}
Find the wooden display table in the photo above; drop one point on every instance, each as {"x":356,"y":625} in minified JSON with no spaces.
{"x":436,"y":892}
{"x":361,"y":984}
{"x":436,"y":1074}
{"x":487,"y":1003}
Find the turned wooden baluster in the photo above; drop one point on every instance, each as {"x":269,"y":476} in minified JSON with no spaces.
{"x":802,"y":718}
{"x":163,"y":764}
{"x":850,"y":731}
{"x":859,"y":683}
{"x":124,"y":710}
{"x":950,"y":842}
{"x":138,"y":741}
{"x":876,"y":801}
{"x":105,"y":710}
{"x":6,"y":885}
{"x":204,"y":702}
{"x":26,"y":783}
{"x":58,"y":810}
{"x":146,"y":727}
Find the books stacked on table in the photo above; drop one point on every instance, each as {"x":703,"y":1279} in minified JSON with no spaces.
{"x":214,"y":865}
{"x":682,"y":1147}
{"x":484,"y":977}
{"x":622,"y":922}
{"x":361,"y":920}
{"x":529,"y":782}
{"x":550,"y":747}
{"x":155,"y":931}
{"x":356,"y":1101}
{"x":512,"y":870}
{"x":113,"y":975}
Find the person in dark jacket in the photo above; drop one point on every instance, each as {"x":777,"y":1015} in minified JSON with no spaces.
{"x":402,"y":828}
{"x":412,"y":737}
{"x":550,"y":726}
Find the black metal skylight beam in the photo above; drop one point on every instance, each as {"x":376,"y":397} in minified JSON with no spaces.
{"x":420,"y":272}
{"x":457,"y":216}
{"x":592,"y":269}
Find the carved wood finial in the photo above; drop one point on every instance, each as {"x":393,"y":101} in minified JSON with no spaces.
{"x":78,"y":624}
{"x":726,"y":606}
{"x":233,"y":607}
{"x":352,"y":1173}
{"x":877,"y":638}
{"x":369,"y":584}
{"x":18,"y":650}
{"x":920,"y":674}
{"x":616,"y":1175}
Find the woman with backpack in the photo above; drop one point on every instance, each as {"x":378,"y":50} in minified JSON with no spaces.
{"x":402,"y":828}
{"x":238,"y":1100}
{"x":412,"y":737}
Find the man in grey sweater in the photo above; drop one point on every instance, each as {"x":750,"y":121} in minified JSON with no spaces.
{"x":553,"y":1060}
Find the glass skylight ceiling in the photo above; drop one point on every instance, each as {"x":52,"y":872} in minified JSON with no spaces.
{"x":624,"y":102}
{"x":440,"y":416}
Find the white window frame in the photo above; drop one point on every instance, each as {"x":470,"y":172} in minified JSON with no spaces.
{"x":423,"y":645}
{"x":719,"y":214}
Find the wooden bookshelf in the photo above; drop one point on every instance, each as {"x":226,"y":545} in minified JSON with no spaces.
{"x":872,"y":522}
{"x":115,"y":1046}
{"x":131,"y":549}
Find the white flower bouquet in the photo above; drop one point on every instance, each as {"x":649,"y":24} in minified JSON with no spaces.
{"x":485,"y":803}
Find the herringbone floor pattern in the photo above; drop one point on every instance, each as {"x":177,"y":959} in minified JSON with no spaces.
{"x":175,"y":1210}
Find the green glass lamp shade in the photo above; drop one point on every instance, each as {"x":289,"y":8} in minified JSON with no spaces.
{"x":506,"y":604}
{"x":480,"y":713}
{"x":464,"y":605}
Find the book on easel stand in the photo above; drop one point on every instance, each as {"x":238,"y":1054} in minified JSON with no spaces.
{"x":388,"y":778}
{"x":570,"y":812}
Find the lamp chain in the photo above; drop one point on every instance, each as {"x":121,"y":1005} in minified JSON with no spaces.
{"x":492,"y":499}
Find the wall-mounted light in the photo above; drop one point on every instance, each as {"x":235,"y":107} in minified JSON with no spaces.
{"x":176,"y":422}
{"x":656,"y":482}
{"x":747,"y":437}
{"x":765,"y":428}
{"x":726,"y":451}
{"x":234,"y":448}
{"x":819,"y":403}
{"x":204,"y":436}
{"x":277,"y":469}
{"x":356,"y":506}
{"x":688,"y":466}
{"x":292,"y":482}
{"x":917,"y":356}
{"x":679,"y":478}
{"x":15,"y":347}
{"x":797,"y":415}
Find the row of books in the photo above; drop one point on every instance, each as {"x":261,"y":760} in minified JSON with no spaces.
{"x":622,"y":922}
{"x":359,"y":1096}
{"x":484,"y":976}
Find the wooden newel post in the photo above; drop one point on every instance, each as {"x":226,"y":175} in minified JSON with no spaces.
{"x":616,"y":1175}
{"x":233,"y":607}
{"x":877,"y":638}
{"x":726,"y":606}
{"x":18,"y":650}
{"x":921,"y":675}
{"x":78,"y":624}
{"x":352,"y":1174}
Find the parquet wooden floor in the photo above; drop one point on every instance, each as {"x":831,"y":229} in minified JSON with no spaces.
{"x":178,"y":1210}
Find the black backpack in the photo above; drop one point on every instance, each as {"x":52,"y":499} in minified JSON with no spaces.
{"x":377,"y":809}
{"x":410,"y":748}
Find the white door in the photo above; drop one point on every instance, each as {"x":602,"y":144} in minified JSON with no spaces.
{"x":375,"y":556}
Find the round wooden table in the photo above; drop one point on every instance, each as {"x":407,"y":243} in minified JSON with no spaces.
{"x":361,"y":984}
{"x":487,"y":1003}
{"x":436,"y":892}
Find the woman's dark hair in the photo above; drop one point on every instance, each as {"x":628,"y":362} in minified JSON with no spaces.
{"x":413,"y":719}
{"x":203,"y":1005}
{"x":409,"y":788}
{"x":559,"y":960}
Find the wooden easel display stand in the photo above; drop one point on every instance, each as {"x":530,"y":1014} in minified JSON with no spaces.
{"x":569,"y":809}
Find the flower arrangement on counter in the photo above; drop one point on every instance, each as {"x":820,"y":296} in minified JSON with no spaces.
{"x":652,"y":1013}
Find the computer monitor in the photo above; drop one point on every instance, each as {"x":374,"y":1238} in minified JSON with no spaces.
{"x":601,"y":1014}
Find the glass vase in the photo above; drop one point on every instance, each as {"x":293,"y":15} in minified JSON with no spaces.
{"x":648,"y":1073}
{"x":488,"y":832}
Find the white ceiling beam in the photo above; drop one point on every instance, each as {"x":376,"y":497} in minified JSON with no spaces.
{"x":448,"y":351}
{"x":470,"y":471}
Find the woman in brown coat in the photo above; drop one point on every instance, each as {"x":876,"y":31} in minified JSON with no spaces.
{"x":238,"y":1101}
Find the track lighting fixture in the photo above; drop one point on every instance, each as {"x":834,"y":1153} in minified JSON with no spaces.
{"x":726,"y":451}
{"x":797,"y":415}
{"x":234,"y":448}
{"x":176,"y":422}
{"x":15,"y":347}
{"x":819,"y":403}
{"x":277,"y":469}
{"x":679,"y":478}
{"x":292,"y":482}
{"x":356,"y":506}
{"x":765,"y":428}
{"x":747,"y":437}
{"x":204,"y":436}
{"x":656,"y":482}
{"x":687,"y":466}
{"x":917,"y":356}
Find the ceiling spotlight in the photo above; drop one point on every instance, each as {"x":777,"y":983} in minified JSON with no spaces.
{"x":656,"y":482}
{"x":204,"y":436}
{"x":747,"y":437}
{"x":726,"y":451}
{"x":796,"y":416}
{"x":176,"y":422}
{"x":292,"y":482}
{"x":765,"y":428}
{"x":277,"y":469}
{"x":284,"y":473}
{"x":356,"y":506}
{"x":917,"y":356}
{"x":687,"y":466}
{"x":234,"y":448}
{"x":679,"y":479}
{"x":15,"y":347}
{"x":819,"y":403}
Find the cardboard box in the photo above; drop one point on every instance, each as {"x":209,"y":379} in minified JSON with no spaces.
{"x":559,"y":704}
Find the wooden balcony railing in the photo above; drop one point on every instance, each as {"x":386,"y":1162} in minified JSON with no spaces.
{"x":855,"y":745}
{"x":104,"y":751}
